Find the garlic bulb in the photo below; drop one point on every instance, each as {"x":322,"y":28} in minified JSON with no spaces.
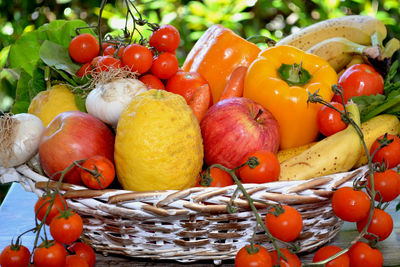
{"x":19,"y":138}
{"x":107,"y":101}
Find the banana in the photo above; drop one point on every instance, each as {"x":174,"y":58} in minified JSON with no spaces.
{"x":355,"y":59}
{"x":357,"y":28}
{"x":374,"y":128}
{"x":337,"y":51}
{"x":336,"y":153}
{"x":285,"y":154}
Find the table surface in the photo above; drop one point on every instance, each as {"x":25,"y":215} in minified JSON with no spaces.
{"x":17,"y":216}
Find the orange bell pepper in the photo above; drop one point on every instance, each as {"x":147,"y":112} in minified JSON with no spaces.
{"x":280,"y":79}
{"x":216,"y":54}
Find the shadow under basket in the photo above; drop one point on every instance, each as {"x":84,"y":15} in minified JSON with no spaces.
{"x":192,"y":224}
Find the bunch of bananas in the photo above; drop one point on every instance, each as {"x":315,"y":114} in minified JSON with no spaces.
{"x":345,"y":41}
{"x":342,"y":42}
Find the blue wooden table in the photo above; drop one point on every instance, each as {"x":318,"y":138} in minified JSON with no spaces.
{"x":17,"y":216}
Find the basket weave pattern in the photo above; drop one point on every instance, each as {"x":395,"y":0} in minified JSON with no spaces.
{"x":191,"y":224}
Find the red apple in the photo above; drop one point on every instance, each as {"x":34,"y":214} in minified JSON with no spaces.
{"x":71,"y":136}
{"x":235,"y":127}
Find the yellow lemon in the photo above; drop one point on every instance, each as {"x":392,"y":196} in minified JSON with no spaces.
{"x":158,"y":144}
{"x":48,"y":104}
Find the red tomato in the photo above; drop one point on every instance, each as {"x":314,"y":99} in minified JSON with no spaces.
{"x":85,"y":251}
{"x":152,"y":82}
{"x":83,"y":48}
{"x":292,"y":259}
{"x":329,"y":120}
{"x":105,"y":172}
{"x":75,"y":261}
{"x":138,"y":58}
{"x":362,"y":255}
{"x":165,"y":65}
{"x":106,"y":63}
{"x":386,"y":185}
{"x":381,"y":225}
{"x":67,"y":227}
{"x":43,"y":204}
{"x":165,"y":38}
{"x":50,"y":255}
{"x":15,"y":256}
{"x":267,"y":171}
{"x":350,"y":205}
{"x":328,"y":251}
{"x":219,"y":178}
{"x":389,"y":154}
{"x":120,"y":51}
{"x":287,"y":226}
{"x":109,"y":51}
{"x":185,"y":84}
{"x":261,"y":258}
{"x":359,"y":79}
{"x":84,"y":70}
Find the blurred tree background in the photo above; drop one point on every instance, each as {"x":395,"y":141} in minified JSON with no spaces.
{"x":272,"y":18}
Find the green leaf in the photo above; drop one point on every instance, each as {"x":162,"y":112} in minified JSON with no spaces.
{"x":80,"y":102}
{"x":67,"y":31}
{"x":366,"y":104}
{"x":57,"y":56}
{"x":37,"y":83}
{"x":24,"y":53}
{"x":22,"y":98}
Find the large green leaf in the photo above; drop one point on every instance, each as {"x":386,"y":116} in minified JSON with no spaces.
{"x":25,"y":52}
{"x":57,"y":56}
{"x":22,"y":98}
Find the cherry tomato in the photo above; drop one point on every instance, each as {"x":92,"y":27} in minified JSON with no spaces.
{"x":138,"y":58}
{"x":389,"y":154}
{"x":105,"y":172}
{"x":67,"y":227}
{"x":350,"y":205}
{"x":386,"y":185}
{"x":261,"y":258}
{"x":362,"y":255}
{"x":185,"y":84}
{"x":15,"y":256}
{"x":267,"y":171}
{"x":75,"y":261}
{"x":359,"y":79}
{"x":165,"y":38}
{"x":292,"y":259}
{"x":43,"y":203}
{"x":84,"y":70}
{"x":109,"y":51}
{"x":152,"y":82}
{"x":287,"y":226}
{"x":85,"y":251}
{"x":104,"y":45}
{"x":328,"y":251}
{"x":83,"y":48}
{"x":329,"y":120}
{"x":50,"y":255}
{"x":381,"y":225}
{"x":120,"y":51}
{"x":106,"y":63}
{"x":165,"y":65}
{"x":219,"y":178}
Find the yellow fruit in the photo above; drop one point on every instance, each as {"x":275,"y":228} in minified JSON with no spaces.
{"x":48,"y":104}
{"x":158,"y":144}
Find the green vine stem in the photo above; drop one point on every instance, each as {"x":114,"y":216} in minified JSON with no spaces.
{"x":315,"y":98}
{"x":259,"y":221}
{"x":53,"y":196}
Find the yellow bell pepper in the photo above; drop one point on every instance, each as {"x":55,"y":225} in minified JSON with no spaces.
{"x":280,"y":79}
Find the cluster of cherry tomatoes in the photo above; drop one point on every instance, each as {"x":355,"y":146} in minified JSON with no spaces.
{"x":153,"y":64}
{"x":65,"y":227}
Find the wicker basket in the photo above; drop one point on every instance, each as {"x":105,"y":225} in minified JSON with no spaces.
{"x":192,"y":224}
